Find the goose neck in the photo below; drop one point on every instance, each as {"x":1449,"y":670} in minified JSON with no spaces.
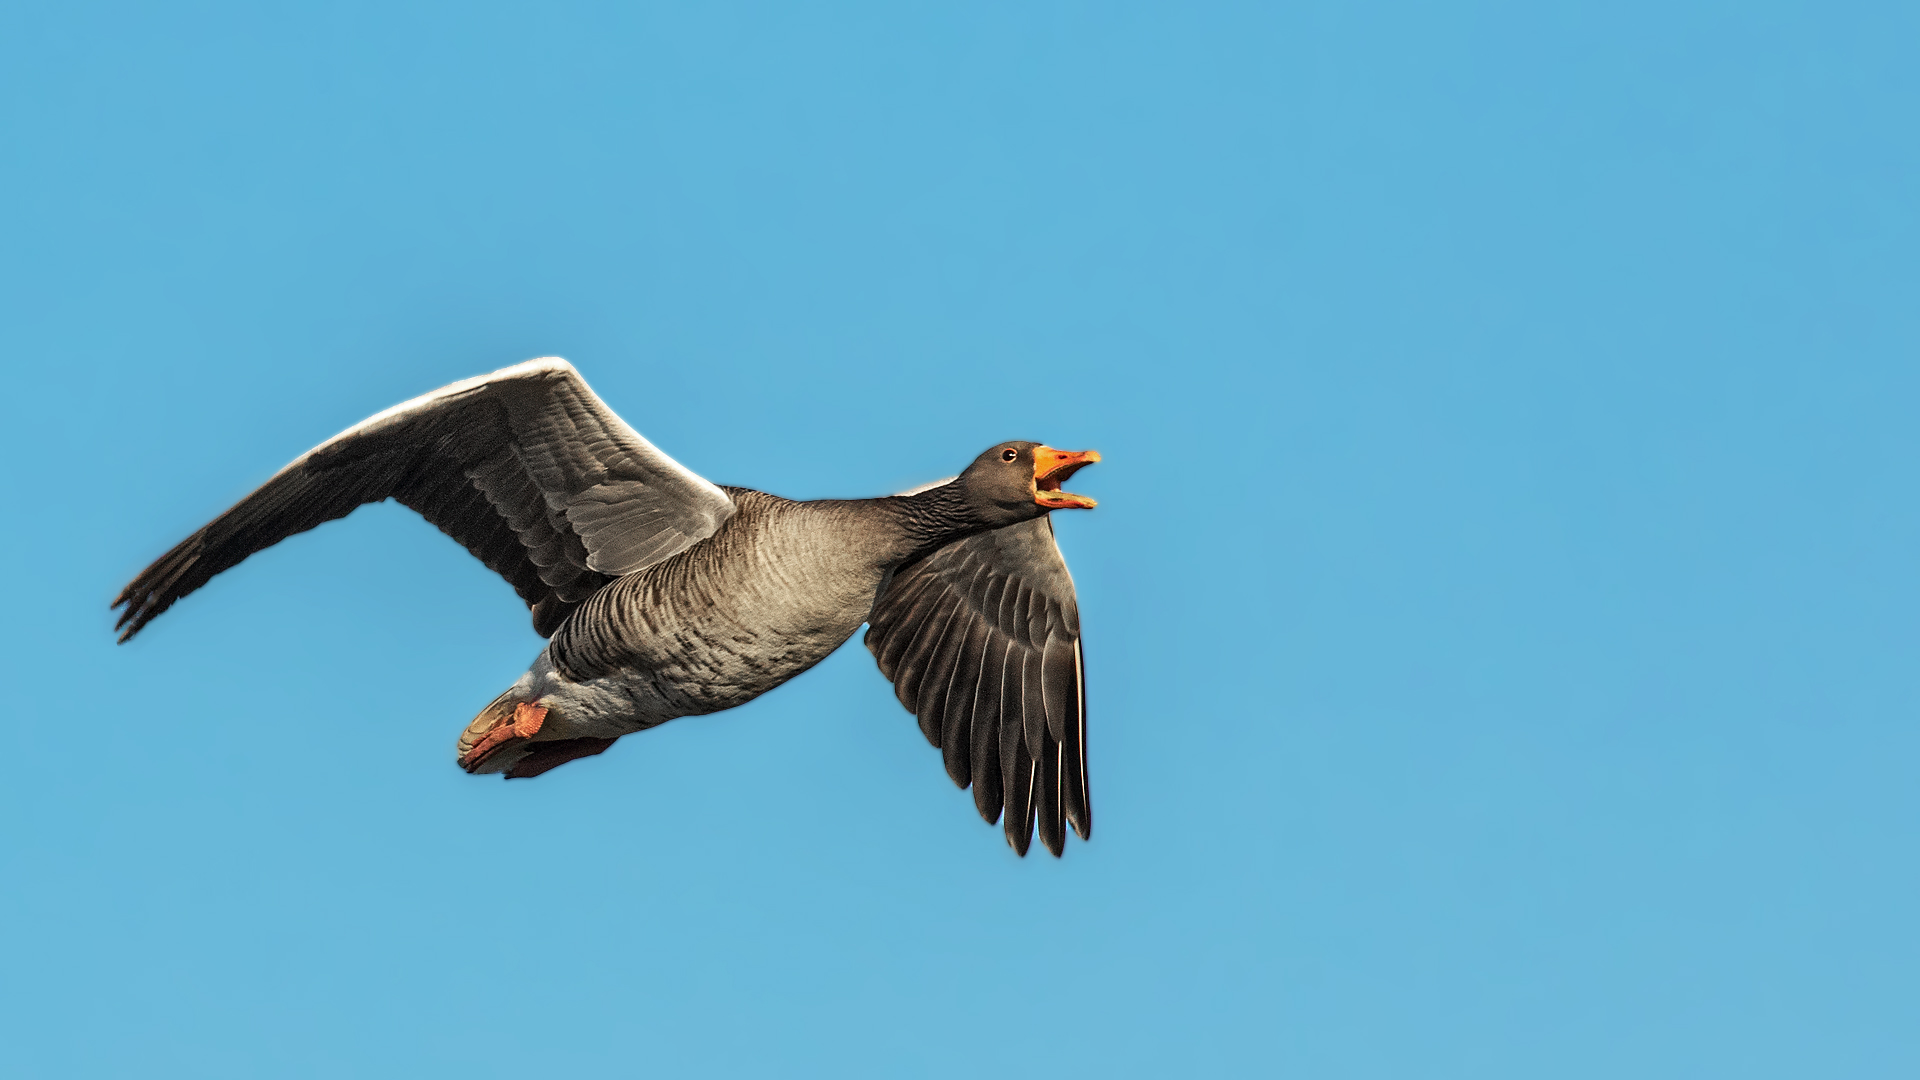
{"x":933,"y":518}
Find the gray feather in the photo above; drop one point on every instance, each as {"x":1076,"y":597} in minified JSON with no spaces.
{"x":981,"y":639}
{"x":584,"y":497}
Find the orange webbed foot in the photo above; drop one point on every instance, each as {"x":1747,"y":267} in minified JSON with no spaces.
{"x":524,"y":724}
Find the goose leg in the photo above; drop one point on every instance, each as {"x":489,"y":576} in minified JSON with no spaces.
{"x":494,"y":729}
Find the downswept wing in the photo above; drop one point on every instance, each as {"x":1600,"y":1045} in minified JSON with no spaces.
{"x":525,"y":467}
{"x":981,"y":640}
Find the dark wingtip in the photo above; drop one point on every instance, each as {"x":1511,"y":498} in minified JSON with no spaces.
{"x":120,"y":624}
{"x":130,"y":620}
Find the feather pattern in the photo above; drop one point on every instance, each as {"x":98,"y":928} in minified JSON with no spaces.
{"x":981,"y":639}
{"x":525,"y":467}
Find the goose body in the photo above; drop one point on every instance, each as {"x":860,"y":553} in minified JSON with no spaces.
{"x":775,"y":590}
{"x":664,"y":596}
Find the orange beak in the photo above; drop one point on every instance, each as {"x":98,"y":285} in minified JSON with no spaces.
{"x":1051,"y":468}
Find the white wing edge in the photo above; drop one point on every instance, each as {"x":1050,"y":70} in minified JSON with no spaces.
{"x":928,"y":486}
{"x":529,"y":367}
{"x":537,"y":366}
{"x":414,"y":404}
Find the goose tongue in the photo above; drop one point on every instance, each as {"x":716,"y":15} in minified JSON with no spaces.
{"x":1051,"y":468}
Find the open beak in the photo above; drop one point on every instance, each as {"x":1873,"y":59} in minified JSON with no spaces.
{"x":1051,"y":468}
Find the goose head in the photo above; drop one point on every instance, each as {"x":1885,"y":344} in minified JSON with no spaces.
{"x":1019,"y":481}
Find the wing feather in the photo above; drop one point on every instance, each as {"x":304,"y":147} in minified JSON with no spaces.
{"x":981,"y":639}
{"x":1018,"y":824}
{"x":956,"y":735}
{"x":1059,"y":679}
{"x":1033,"y":712}
{"x":525,"y":468}
{"x":918,"y":600}
{"x":913,"y":670}
{"x":940,"y":675}
{"x":1075,"y":799}
{"x":987,"y":794}
{"x":1046,"y":797}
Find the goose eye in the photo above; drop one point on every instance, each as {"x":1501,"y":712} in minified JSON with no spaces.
{"x":1009,"y":454}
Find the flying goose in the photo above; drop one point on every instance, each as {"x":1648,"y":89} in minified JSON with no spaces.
{"x":662,"y":595}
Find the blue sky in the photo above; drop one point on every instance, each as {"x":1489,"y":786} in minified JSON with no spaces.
{"x":1501,"y":609}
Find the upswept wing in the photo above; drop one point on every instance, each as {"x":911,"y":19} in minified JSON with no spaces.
{"x":525,"y":467}
{"x":981,"y":640}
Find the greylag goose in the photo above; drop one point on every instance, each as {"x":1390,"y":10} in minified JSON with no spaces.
{"x":662,"y":595}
